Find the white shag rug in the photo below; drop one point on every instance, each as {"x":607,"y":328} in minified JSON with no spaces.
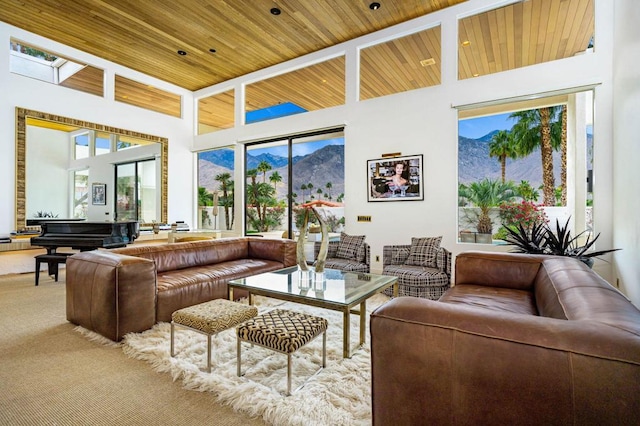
{"x":339,"y":394}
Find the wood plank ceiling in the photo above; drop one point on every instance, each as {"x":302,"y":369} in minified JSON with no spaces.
{"x":146,"y":35}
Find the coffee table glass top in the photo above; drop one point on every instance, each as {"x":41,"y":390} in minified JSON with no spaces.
{"x":334,"y":286}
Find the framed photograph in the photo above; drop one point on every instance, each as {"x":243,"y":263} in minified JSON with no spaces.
{"x":395,"y":178}
{"x":99,"y":194}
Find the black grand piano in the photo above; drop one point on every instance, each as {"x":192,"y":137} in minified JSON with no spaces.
{"x":85,"y":235}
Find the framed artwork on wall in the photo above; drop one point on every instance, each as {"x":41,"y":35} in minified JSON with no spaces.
{"x":395,"y":178}
{"x":99,"y":194}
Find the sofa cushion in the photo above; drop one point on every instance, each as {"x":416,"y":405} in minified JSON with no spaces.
{"x":400,"y":255}
{"x":346,"y":265}
{"x":349,"y":245}
{"x":492,"y":298}
{"x":423,"y":251}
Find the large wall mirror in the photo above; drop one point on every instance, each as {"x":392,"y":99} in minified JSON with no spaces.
{"x":51,"y":166}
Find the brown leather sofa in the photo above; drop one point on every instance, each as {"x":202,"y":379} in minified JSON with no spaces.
{"x":114,"y":292}
{"x":519,"y":339}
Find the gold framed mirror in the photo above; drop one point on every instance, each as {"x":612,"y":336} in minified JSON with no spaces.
{"x":23,"y":114}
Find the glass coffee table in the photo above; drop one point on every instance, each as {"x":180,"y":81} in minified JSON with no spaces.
{"x":332,"y":289}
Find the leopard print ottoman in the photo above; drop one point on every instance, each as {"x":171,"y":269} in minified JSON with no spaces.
{"x":211,"y":318}
{"x":285,"y":332}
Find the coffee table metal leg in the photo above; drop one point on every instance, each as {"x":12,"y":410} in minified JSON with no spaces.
{"x":363,"y":321}
{"x":346,"y":334}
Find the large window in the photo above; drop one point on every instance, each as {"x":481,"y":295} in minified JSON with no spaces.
{"x":216,"y":112}
{"x":519,"y":158}
{"x":311,"y":88}
{"x":80,"y":193}
{"x":33,"y":62}
{"x":136,"y":191}
{"x":524,"y":33}
{"x":216,"y":209}
{"x":406,"y":63}
{"x":146,"y":96}
{"x":284,"y":173}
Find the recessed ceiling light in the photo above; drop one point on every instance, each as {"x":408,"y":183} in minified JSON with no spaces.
{"x":427,"y":62}
{"x":212,"y":50}
{"x":275,"y":11}
{"x":181,"y":52}
{"x":466,"y":43}
{"x":476,"y":74}
{"x":374,"y":6}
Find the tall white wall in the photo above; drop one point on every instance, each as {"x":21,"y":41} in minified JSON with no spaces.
{"x":20,"y":91}
{"x":626,"y":141}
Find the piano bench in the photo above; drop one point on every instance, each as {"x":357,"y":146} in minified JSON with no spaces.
{"x":52,"y":260}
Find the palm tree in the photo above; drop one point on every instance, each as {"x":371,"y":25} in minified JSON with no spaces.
{"x":252,"y":190}
{"x":275,"y":178}
{"x":205,"y":198}
{"x":526,"y":191}
{"x":559,"y":133}
{"x":303,"y":188}
{"x":226,"y":201}
{"x":502,"y":146}
{"x":329,"y":185}
{"x":533,"y":130}
{"x":263,"y":167}
{"x":485,"y":194}
{"x":319,"y":191}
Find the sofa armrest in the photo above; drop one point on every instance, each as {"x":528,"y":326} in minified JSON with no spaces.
{"x":443,"y":261}
{"x":439,"y":363}
{"x":279,"y":250}
{"x":111,"y":294}
{"x":494,"y":269}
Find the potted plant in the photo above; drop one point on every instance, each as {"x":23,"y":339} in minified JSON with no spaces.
{"x":541,"y":239}
{"x":484,"y":195}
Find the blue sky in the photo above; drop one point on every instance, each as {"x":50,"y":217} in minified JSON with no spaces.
{"x":475,"y":128}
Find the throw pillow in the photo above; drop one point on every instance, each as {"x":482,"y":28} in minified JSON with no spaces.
{"x":349,"y":245}
{"x":423,"y":251}
{"x":400,"y":256}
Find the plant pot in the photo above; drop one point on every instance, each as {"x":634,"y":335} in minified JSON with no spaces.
{"x":587,"y":261}
{"x":484,"y":238}
{"x":467,"y":237}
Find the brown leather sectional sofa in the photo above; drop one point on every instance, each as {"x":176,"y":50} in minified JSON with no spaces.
{"x":114,"y":292}
{"x":519,"y":339}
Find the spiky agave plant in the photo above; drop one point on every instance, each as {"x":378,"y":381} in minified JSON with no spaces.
{"x":530,"y":240}
{"x":561,"y":243}
{"x":541,"y":239}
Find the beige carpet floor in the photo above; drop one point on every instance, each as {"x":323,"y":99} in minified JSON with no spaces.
{"x":52,"y":375}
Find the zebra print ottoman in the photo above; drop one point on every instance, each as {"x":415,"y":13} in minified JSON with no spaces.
{"x":211,"y":318}
{"x":285,"y":332}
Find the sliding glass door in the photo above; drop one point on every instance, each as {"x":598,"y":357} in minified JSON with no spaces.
{"x":283,"y":173}
{"x":136,"y":191}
